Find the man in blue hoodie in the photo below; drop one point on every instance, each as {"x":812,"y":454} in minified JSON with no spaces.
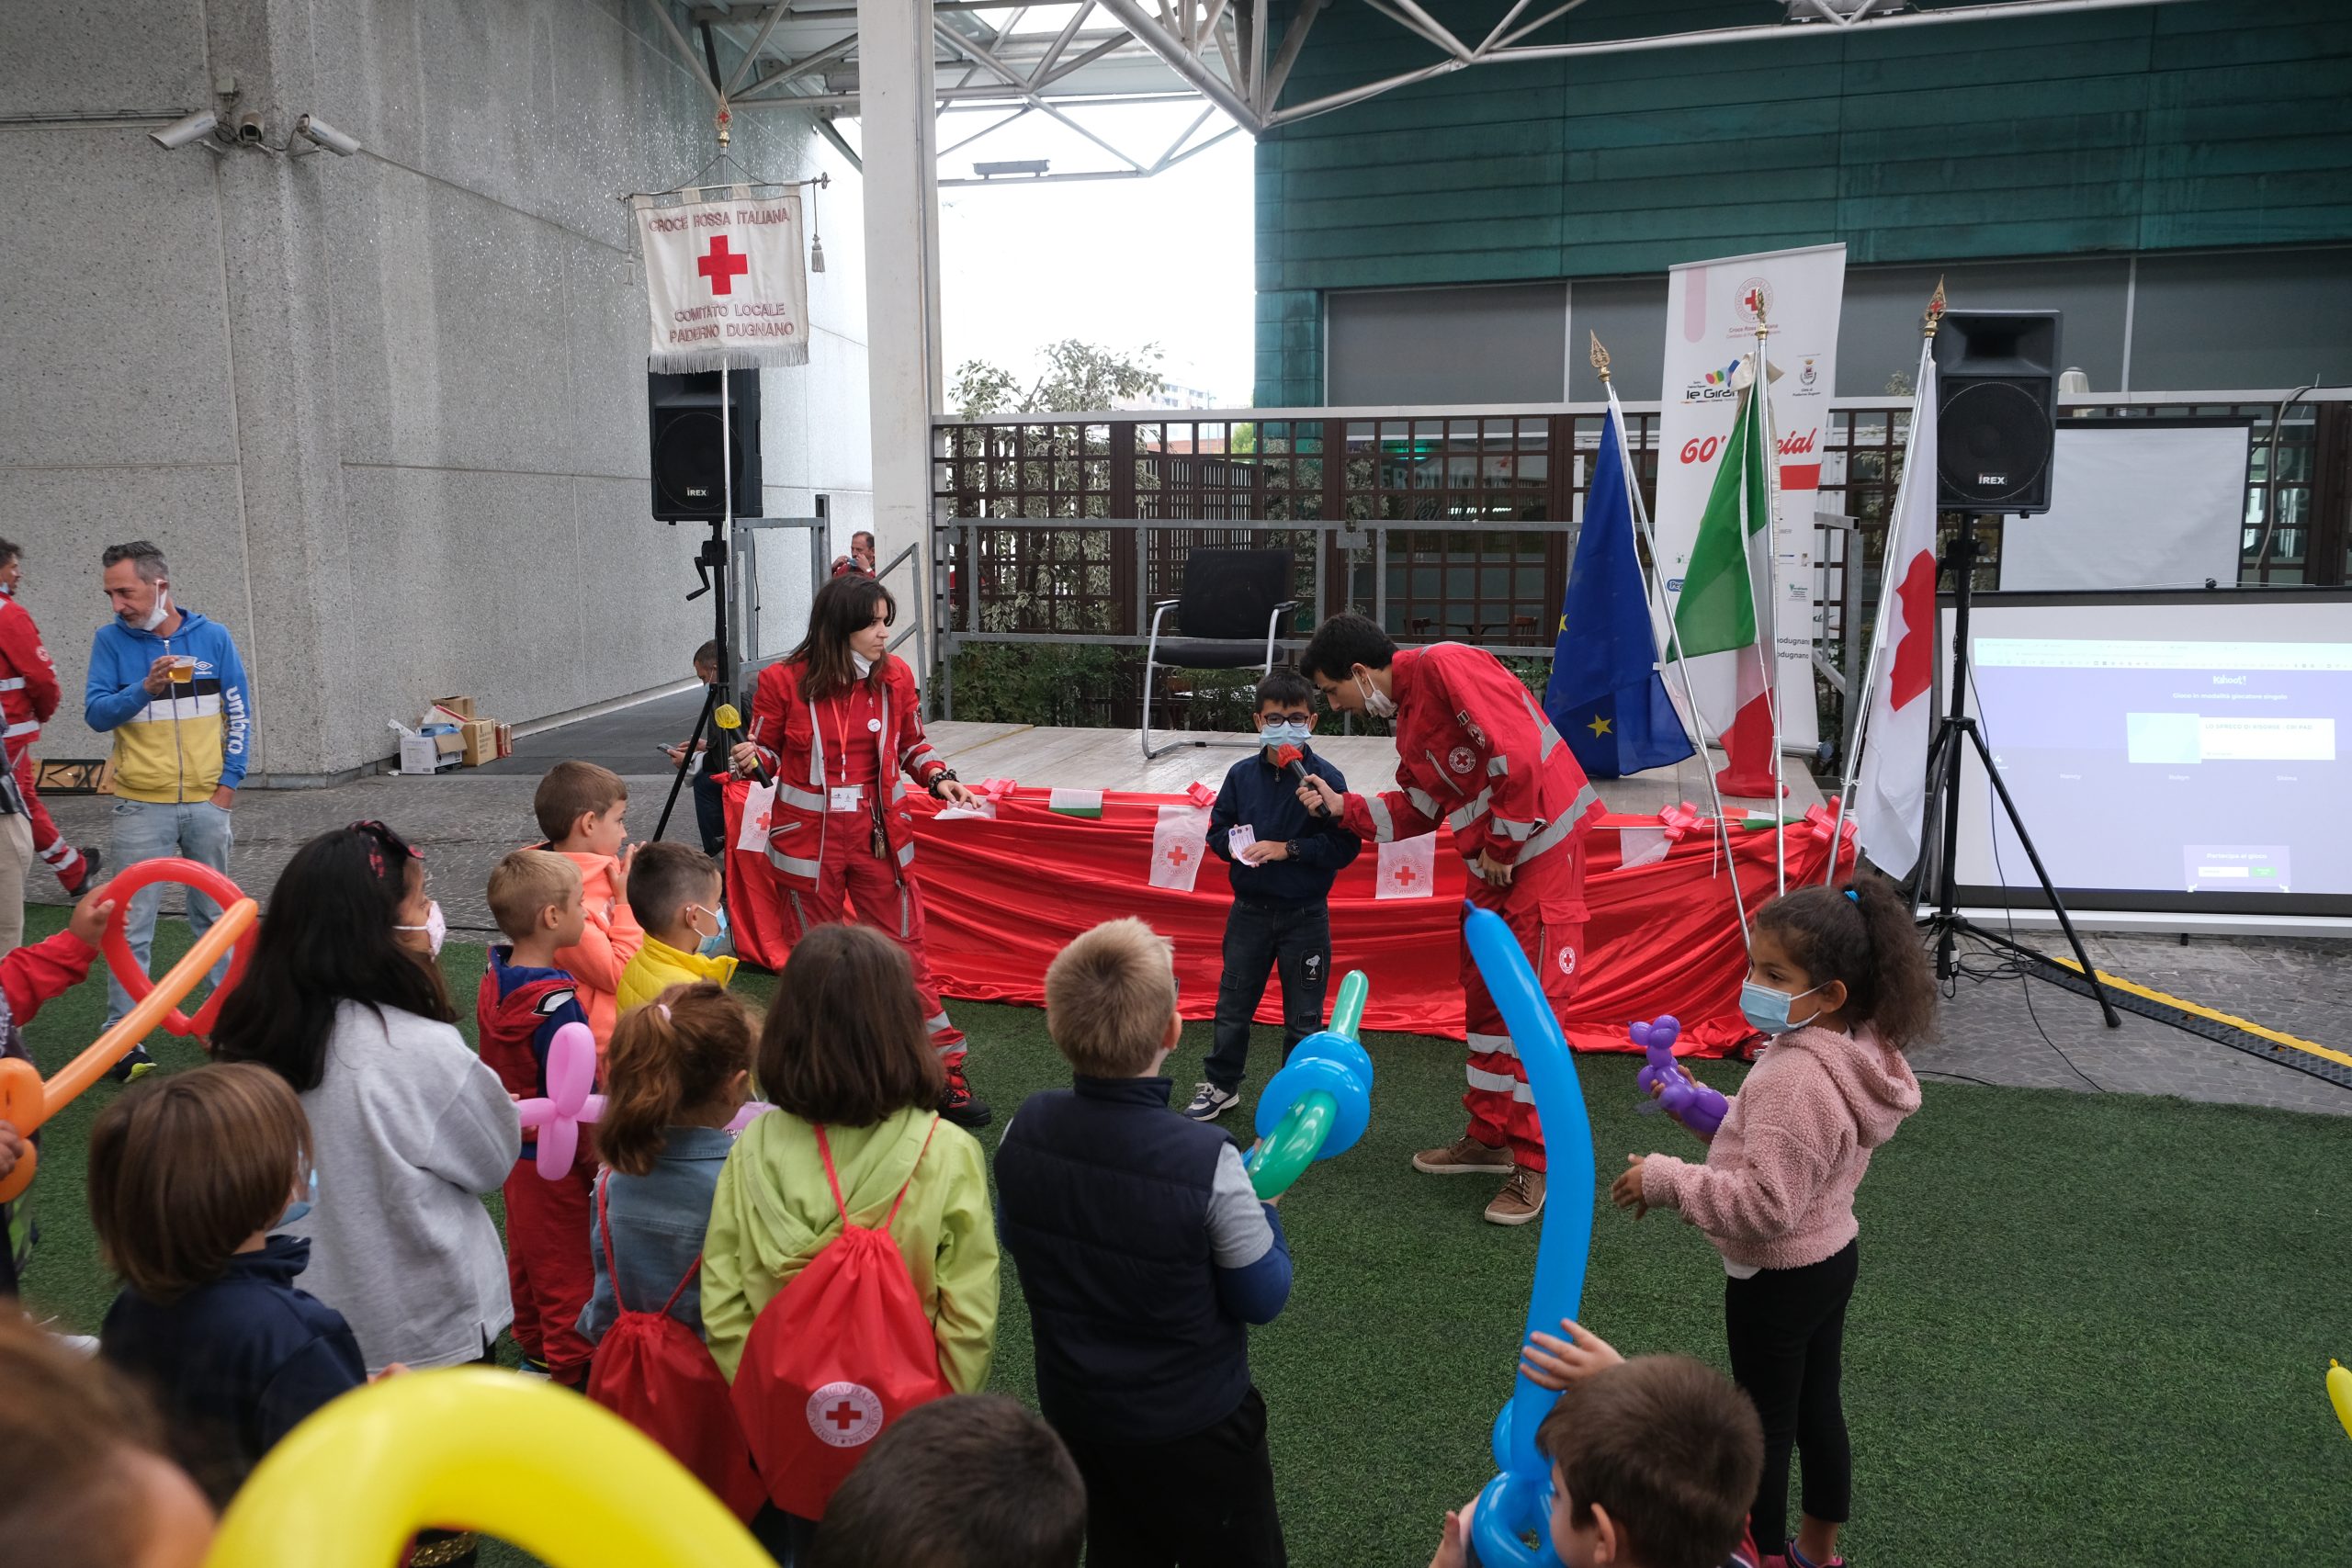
{"x":170,"y":686}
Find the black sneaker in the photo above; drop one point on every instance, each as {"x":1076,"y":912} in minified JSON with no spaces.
{"x":960,"y":1105}
{"x":1209,"y":1102}
{"x":135,"y":1065}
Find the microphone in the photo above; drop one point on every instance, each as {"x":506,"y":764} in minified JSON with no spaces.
{"x":1287,"y":758}
{"x":729,"y":722}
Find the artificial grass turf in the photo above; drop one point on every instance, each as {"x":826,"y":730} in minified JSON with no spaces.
{"x":2088,"y":1329}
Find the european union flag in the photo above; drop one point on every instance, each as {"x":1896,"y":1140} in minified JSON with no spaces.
{"x":1606,"y":695}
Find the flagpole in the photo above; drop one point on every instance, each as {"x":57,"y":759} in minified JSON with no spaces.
{"x":1681,"y":664}
{"x":1912,"y":469}
{"x":1769,"y":644}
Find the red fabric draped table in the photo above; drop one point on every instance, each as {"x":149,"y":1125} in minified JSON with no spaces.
{"x":1002,"y":896}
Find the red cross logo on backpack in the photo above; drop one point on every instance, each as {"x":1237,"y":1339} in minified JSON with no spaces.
{"x":843,"y":1351}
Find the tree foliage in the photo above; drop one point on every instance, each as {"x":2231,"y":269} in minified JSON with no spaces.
{"x":1077,"y":377}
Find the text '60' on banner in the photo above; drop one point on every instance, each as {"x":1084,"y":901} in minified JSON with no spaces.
{"x":724,"y":282}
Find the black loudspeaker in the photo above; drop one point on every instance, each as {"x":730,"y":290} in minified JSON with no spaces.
{"x":682,"y":416}
{"x":1996,"y":410}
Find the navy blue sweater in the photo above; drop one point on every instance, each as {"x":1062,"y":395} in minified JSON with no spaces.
{"x":236,"y":1364}
{"x":1266,"y":797}
{"x":1143,"y":1255}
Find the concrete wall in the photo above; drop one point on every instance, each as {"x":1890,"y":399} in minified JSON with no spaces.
{"x":386,"y":412}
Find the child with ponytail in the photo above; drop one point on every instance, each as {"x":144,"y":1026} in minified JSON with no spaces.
{"x":675,"y":1074}
{"x":1837,"y":977}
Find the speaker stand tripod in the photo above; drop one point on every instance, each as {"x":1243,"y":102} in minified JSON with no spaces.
{"x":710,"y":570}
{"x":1955,"y":734}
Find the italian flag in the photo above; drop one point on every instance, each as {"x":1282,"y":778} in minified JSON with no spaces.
{"x":1726,"y":640}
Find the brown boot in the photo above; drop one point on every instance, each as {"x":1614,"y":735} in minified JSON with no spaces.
{"x":1520,"y":1199}
{"x":1465,"y":1157}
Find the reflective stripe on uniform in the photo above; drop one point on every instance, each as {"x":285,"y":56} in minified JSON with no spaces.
{"x":1500,"y":1083}
{"x":1497,"y":765}
{"x":1491,"y":1044}
{"x":1423,"y":802}
{"x":1470,"y":812}
{"x":1510,"y":828}
{"x":793,"y":794}
{"x":815,"y":747}
{"x":907,"y":855}
{"x":1384,"y":828}
{"x":1555,"y":832}
{"x":13,"y":683}
{"x":31,"y":727}
{"x":790,"y":866}
{"x":1543,"y":728}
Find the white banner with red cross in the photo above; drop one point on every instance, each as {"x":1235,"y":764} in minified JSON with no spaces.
{"x":725,"y":281}
{"x":1179,"y":844}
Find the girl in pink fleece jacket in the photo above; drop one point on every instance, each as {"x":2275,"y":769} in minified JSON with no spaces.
{"x":1837,"y":977}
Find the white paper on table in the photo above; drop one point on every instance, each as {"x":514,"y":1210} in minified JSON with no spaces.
{"x":982,"y":809}
{"x":1239,"y":839}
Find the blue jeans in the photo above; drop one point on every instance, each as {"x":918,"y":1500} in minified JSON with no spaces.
{"x":146,"y":830}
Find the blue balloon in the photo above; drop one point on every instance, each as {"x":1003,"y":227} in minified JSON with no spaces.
{"x":1518,"y":1502}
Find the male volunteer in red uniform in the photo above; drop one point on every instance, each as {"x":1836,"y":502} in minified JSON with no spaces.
{"x":1476,"y":755}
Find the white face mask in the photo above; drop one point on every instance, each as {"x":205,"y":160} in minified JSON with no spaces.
{"x":435,"y":928}
{"x":1377,"y":703}
{"x":162,"y":612}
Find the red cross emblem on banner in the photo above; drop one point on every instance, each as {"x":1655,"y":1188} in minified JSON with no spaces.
{"x":1404,"y":876}
{"x":722,"y":267}
{"x":845,"y":1415}
{"x":1177,"y":855}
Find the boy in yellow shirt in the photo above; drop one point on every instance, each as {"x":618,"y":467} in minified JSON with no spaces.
{"x":674,"y":893}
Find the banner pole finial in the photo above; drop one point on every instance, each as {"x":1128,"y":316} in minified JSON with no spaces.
{"x":1934,"y":315}
{"x":1600,"y":357}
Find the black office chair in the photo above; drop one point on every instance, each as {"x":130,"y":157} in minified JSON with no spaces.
{"x":1228,"y":618}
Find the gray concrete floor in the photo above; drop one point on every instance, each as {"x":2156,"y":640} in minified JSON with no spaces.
{"x":1999,"y":1030}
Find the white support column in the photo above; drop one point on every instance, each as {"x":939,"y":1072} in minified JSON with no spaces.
{"x":904,"y":377}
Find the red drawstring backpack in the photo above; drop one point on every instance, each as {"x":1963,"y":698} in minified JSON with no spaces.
{"x":654,"y":1372}
{"x":838,"y":1354}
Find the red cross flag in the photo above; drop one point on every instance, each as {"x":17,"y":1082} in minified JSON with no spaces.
{"x":1408,"y":868}
{"x":1179,"y":844}
{"x":725,"y":281}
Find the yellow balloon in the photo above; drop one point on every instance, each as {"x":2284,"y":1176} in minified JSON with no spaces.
{"x":2339,"y":1393}
{"x":471,"y":1449}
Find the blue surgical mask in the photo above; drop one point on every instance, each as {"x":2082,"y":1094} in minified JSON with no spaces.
{"x":1292,"y":734}
{"x":300,"y":1206}
{"x":1767,"y":1009}
{"x":708,"y":946}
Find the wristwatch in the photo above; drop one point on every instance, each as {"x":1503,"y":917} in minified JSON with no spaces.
{"x":1290,"y":849}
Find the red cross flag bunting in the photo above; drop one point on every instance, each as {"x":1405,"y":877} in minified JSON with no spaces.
{"x":1408,"y":868}
{"x":725,"y":281}
{"x":1179,"y":844}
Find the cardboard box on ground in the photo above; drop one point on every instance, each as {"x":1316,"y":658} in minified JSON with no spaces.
{"x":451,"y":734}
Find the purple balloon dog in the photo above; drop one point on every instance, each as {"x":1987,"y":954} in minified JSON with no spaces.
{"x":571,"y":1076}
{"x":1685,"y":1098}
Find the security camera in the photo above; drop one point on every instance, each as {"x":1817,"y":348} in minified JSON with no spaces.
{"x":313,"y":129}
{"x":180,"y":132}
{"x":249,"y":129}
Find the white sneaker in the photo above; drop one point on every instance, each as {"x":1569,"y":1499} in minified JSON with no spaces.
{"x":1209,"y":1102}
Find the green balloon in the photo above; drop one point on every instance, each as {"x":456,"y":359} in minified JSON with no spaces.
{"x":1347,"y":1013}
{"x":1284,"y":1157}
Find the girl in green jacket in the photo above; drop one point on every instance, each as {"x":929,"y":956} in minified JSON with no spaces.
{"x":844,"y":1047}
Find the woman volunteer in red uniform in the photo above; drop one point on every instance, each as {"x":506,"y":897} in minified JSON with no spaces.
{"x":836,"y":724}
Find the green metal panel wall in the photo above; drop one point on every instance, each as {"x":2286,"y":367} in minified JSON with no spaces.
{"x":2213,"y":124}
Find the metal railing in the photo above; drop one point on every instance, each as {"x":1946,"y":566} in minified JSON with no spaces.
{"x":1459,"y":524}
